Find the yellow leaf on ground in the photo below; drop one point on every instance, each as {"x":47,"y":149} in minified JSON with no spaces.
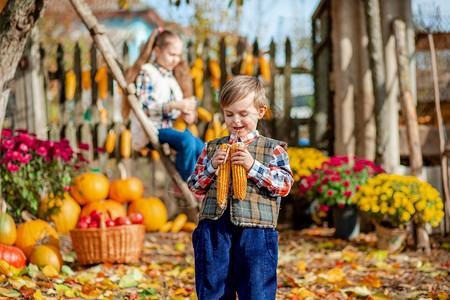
{"x":303,"y":292}
{"x":371,"y":280}
{"x":50,"y":271}
{"x":301,"y":266}
{"x":335,"y":275}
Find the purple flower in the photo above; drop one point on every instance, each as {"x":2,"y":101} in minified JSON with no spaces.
{"x":12,"y":167}
{"x":42,"y":151}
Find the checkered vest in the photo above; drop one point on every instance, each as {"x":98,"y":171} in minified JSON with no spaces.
{"x":258,"y":209}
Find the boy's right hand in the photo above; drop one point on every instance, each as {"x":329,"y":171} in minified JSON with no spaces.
{"x":218,"y":158}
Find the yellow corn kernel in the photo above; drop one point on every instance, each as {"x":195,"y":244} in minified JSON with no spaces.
{"x":223,"y":180}
{"x":239,"y":178}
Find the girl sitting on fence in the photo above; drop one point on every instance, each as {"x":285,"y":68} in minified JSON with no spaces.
{"x":161,"y":98}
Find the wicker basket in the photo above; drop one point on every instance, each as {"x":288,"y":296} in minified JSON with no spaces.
{"x":121,"y":244}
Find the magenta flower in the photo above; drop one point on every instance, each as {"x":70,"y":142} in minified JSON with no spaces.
{"x":12,"y":167}
{"x":42,"y":151}
{"x":346,"y":183}
{"x":83,"y":146}
{"x":330,"y":193}
{"x":348,"y":193}
{"x":8,"y":144}
{"x":6,"y":133}
{"x":66,"y":188}
{"x":15,"y":155}
{"x":23,"y":148}
{"x":341,"y":205}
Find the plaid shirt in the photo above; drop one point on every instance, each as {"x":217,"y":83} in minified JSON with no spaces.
{"x":273,"y":179}
{"x":156,"y":109}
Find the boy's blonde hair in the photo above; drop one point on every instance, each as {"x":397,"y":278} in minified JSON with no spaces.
{"x":238,"y":87}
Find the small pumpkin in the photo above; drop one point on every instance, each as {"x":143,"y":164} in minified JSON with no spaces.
{"x":113,"y":208}
{"x":126,"y":190}
{"x":13,"y":256}
{"x":153,"y":210}
{"x":29,"y":233}
{"x":89,"y":187}
{"x":67,"y":217}
{"x":8,"y":232}
{"x":178,"y":223}
{"x":47,"y":255}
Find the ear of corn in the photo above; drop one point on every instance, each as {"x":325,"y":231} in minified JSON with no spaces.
{"x":86,"y":79}
{"x":239,"y":177}
{"x":204,"y":114}
{"x":209,"y":135}
{"x":4,"y":268}
{"x":193,"y":129}
{"x":71,"y":83}
{"x":101,"y":77}
{"x":264,"y":68}
{"x":125,"y":143}
{"x":223,"y":180}
{"x":179,"y":124}
{"x":110,"y":141}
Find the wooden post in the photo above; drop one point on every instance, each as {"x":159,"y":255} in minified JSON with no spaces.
{"x":207,"y":99}
{"x":98,"y":34}
{"x":444,"y":158}
{"x":345,"y":76}
{"x":78,"y":106}
{"x":94,"y":88}
{"x":271,"y":94}
{"x":373,"y":23}
{"x":222,"y":62}
{"x":364,"y":101}
{"x":60,"y":76}
{"x":287,"y":72}
{"x":406,"y":101}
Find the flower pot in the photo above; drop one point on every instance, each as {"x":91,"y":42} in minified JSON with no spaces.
{"x":346,"y":222}
{"x":390,"y":239}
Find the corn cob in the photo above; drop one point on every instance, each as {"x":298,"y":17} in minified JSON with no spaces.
{"x":4,"y":268}
{"x":125,"y":143}
{"x":223,"y":179}
{"x":239,"y":177}
{"x":110,"y":141}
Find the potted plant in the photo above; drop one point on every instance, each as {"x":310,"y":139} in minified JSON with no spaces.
{"x":393,"y":200}
{"x":334,"y":184}
{"x":32,"y":168}
{"x":303,"y":162}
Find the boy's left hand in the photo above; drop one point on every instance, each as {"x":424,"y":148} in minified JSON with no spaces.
{"x":243,"y":157}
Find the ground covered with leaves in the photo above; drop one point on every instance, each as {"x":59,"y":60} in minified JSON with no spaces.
{"x":311,"y":265}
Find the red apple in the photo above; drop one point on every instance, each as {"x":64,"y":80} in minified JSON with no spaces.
{"x":95,"y":215}
{"x":136,"y":218}
{"x":86,"y":219}
{"x":110,"y":223}
{"x":82,"y":224}
{"x":122,"y":221}
{"x":94,"y":224}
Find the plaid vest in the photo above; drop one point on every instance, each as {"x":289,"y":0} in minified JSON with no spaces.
{"x":258,"y":209}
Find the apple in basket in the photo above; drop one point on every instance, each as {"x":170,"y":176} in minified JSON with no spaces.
{"x":84,"y":222}
{"x":136,"y":218}
{"x":95,"y":215}
{"x":94,"y":224}
{"x":110,"y":223}
{"x":122,"y":221}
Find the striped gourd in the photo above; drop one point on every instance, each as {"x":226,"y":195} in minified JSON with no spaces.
{"x":223,"y":180}
{"x":239,"y":177}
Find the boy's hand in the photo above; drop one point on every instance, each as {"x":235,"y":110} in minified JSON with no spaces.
{"x":242,"y":157}
{"x":218,"y":158}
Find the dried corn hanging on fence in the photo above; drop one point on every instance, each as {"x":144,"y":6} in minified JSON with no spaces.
{"x":223,"y":179}
{"x":239,"y":177}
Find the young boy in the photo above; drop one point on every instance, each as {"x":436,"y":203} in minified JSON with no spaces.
{"x":236,"y":248}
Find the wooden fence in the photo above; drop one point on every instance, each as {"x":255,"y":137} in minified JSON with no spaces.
{"x":81,"y":118}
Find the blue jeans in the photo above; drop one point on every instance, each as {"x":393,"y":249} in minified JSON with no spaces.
{"x":230,"y":259}
{"x":188,"y":149}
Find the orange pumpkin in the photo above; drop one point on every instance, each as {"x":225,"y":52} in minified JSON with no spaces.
{"x":8,"y":233}
{"x":47,"y":255}
{"x":153,"y":210}
{"x":113,"y":208}
{"x":13,"y":256}
{"x":29,"y":233}
{"x":89,"y":187}
{"x":126,"y":190}
{"x":67,"y":216}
